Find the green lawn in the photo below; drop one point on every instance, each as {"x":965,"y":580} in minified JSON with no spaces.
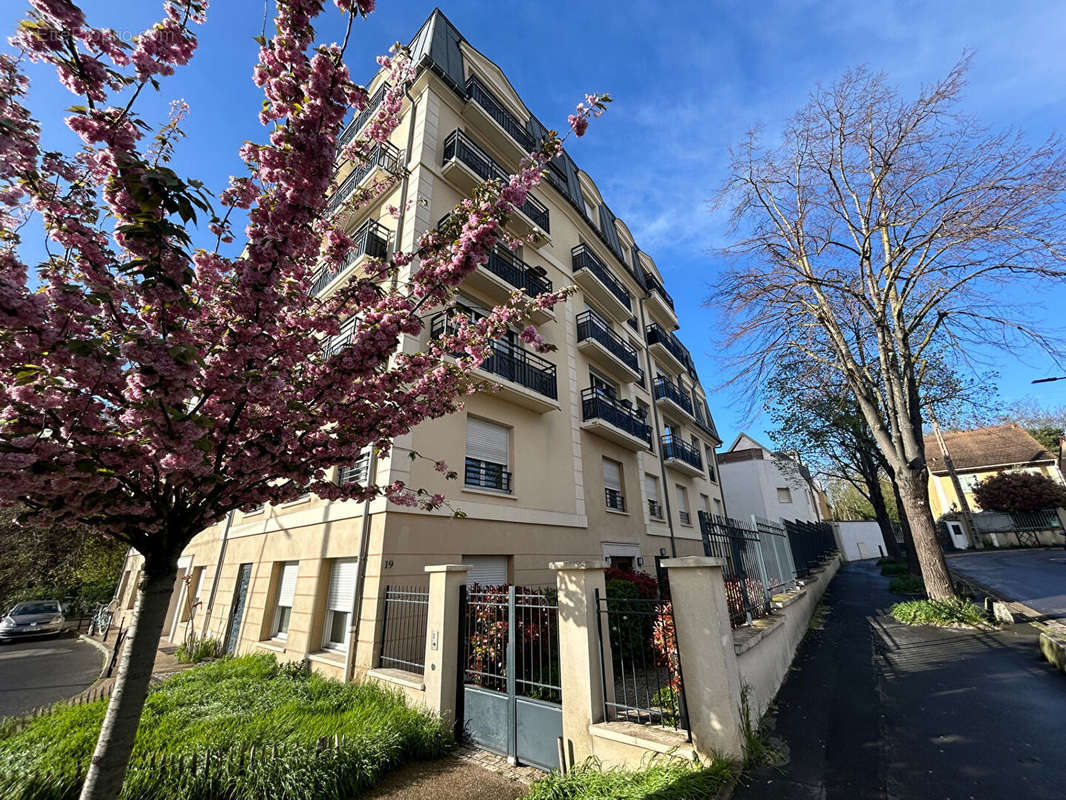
{"x":232,"y":705}
{"x":663,"y":779}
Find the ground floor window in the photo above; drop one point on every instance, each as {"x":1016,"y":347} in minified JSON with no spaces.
{"x":283,"y":607}
{"x":339,"y":602}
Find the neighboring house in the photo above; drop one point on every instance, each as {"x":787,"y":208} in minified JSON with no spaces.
{"x":770,"y":484}
{"x":979,"y":454}
{"x":603,"y":448}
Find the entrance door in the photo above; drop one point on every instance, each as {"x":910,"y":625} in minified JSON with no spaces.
{"x":510,"y":688}
{"x":958,"y":535}
{"x":240,"y":596}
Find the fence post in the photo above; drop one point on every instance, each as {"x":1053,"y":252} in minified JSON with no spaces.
{"x":442,"y":638}
{"x":583,"y":676}
{"x":705,"y":647}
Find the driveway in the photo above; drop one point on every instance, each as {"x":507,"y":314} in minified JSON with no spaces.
{"x":1035,"y":578}
{"x":39,"y":672}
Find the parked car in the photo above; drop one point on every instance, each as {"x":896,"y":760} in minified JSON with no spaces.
{"x":33,"y":618}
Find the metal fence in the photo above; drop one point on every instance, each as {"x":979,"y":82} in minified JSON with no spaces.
{"x":404,"y":616}
{"x":746,"y":585}
{"x":776,"y":555}
{"x":810,"y":543}
{"x":639,"y":662}
{"x":512,"y":633}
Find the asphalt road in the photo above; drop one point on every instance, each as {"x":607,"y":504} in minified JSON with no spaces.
{"x":39,"y":672}
{"x":1035,"y":578}
{"x":876,"y":710}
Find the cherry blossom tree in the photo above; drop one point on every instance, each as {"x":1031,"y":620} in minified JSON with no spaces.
{"x":152,"y":386}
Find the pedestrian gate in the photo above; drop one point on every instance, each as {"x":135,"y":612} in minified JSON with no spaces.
{"x":510,"y":693}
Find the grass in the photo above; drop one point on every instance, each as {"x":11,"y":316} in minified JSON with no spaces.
{"x":231,"y":705}
{"x":663,"y":778}
{"x":907,"y":584}
{"x":758,"y":750}
{"x":895,"y":568}
{"x":944,"y":614}
{"x":196,"y":649}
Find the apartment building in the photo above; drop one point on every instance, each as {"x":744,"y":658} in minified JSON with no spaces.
{"x":603,"y":448}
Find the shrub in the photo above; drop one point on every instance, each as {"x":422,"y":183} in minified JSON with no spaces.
{"x":894,"y":568}
{"x":229,"y":706}
{"x":664,"y":778}
{"x":196,"y":649}
{"x":948,"y":613}
{"x":647,"y":587}
{"x":882,"y":561}
{"x":907,"y":584}
{"x":1019,"y":491}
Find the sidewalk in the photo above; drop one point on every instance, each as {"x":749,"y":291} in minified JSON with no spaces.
{"x":875,"y":709}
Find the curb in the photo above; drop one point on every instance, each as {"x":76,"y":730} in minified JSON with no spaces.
{"x":104,"y":653}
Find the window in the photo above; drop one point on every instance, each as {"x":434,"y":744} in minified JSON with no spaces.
{"x":705,"y":501}
{"x":192,"y":593}
{"x":717,"y":506}
{"x":486,"y":570}
{"x":651,"y":489}
{"x":339,"y":604}
{"x":709,"y":453}
{"x":488,"y":448}
{"x":784,"y":495}
{"x":643,"y":409}
{"x":602,"y":384}
{"x":682,"y":505}
{"x":612,"y":485}
{"x":590,"y":211}
{"x":358,"y":472}
{"x":623,"y":563}
{"x":283,"y":607}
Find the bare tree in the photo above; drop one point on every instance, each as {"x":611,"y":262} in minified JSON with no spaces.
{"x":877,"y":238}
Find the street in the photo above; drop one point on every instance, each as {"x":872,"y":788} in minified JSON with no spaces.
{"x":1035,"y":578}
{"x":876,"y":709}
{"x":39,"y":672}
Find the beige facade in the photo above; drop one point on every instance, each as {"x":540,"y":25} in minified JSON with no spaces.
{"x":582,"y":481}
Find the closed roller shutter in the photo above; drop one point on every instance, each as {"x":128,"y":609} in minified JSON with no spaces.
{"x":486,"y":570}
{"x":287,"y":584}
{"x":651,"y":487}
{"x":612,"y":474}
{"x":487,"y":442}
{"x":342,"y":585}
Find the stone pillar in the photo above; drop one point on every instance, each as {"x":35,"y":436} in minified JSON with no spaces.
{"x":709,"y":668}
{"x":442,"y":638}
{"x":579,"y":653}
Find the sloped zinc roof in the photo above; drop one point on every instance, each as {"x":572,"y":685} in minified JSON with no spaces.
{"x":1000,"y":445}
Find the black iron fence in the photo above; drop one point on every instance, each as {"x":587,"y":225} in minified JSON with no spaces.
{"x":487,"y":475}
{"x":583,"y":258}
{"x":666,"y":389}
{"x":746,"y":590}
{"x":591,"y":325}
{"x":505,"y":264}
{"x":810,"y":542}
{"x":476,"y":91}
{"x":657,"y":334}
{"x":776,"y":556}
{"x":639,"y":662}
{"x":405,"y":612}
{"x":597,"y":404}
{"x":681,"y":450}
{"x":382,"y":154}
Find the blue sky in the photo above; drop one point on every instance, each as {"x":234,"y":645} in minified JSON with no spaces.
{"x":688,"y":78}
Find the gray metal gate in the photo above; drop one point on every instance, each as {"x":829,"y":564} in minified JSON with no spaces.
{"x":510,"y":690}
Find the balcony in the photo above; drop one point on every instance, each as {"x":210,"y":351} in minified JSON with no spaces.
{"x":524,"y":378}
{"x":614,"y":499}
{"x":610,"y":418}
{"x":467,"y":165}
{"x":681,"y":456}
{"x":655,"y":510}
{"x":669,"y":396}
{"x":596,"y":280}
{"x":384,"y":159}
{"x":609,"y":350}
{"x":371,"y":240}
{"x":504,"y":272}
{"x":659,"y":303}
{"x":487,"y":475}
{"x":666,"y":348}
{"x":363,"y":117}
{"x":499,"y":124}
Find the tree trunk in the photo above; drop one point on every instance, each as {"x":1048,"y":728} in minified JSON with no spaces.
{"x":111,"y":757}
{"x":914,"y":494}
{"x":884,"y":522}
{"x":905,"y":527}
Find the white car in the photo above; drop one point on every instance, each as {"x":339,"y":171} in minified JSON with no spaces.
{"x":33,"y":618}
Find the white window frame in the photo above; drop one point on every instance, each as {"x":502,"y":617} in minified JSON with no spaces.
{"x":683,"y":509}
{"x":284,"y":592}
{"x":348,"y":599}
{"x":784,"y":492}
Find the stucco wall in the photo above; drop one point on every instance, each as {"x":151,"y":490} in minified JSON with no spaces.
{"x":860,"y":539}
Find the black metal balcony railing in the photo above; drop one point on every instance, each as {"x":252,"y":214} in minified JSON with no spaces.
{"x":583,"y":258}
{"x":655,"y":286}
{"x":657,"y":334}
{"x":655,"y":509}
{"x":681,"y":450}
{"x":591,"y":325}
{"x":371,"y":238}
{"x":460,"y":146}
{"x":518,"y":273}
{"x":363,"y":117}
{"x":615,"y":499}
{"x":476,"y":91}
{"x":632,"y":323}
{"x":512,"y":363}
{"x":487,"y":475}
{"x":667,"y":390}
{"x":383,"y":154}
{"x":597,"y":404}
